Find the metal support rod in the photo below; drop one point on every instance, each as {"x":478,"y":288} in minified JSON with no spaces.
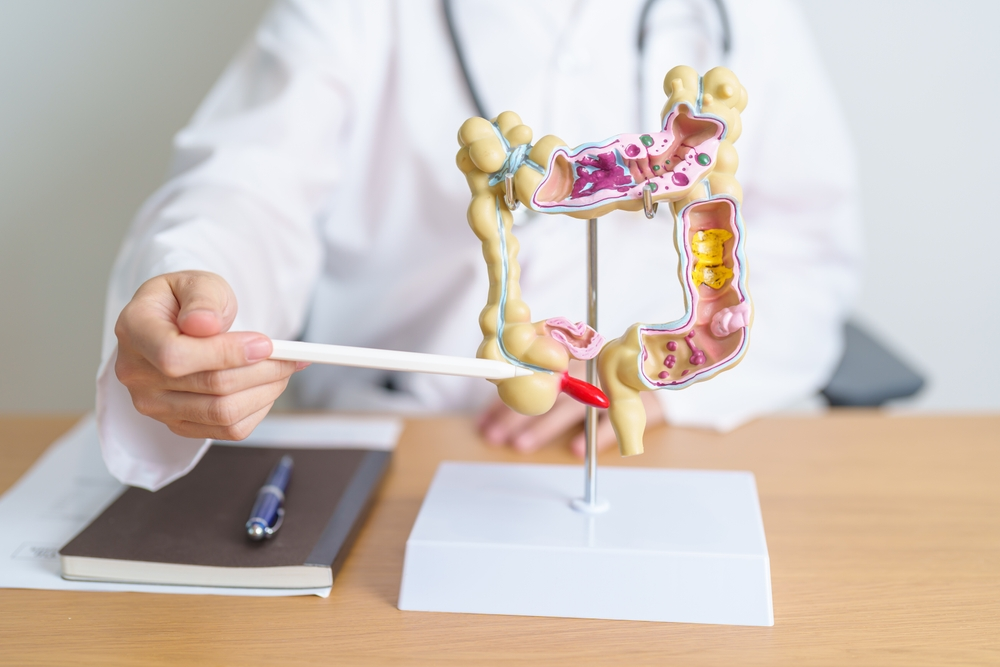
{"x":590,"y":420}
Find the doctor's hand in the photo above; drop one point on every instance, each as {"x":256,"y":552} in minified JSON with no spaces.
{"x":184,"y":368}
{"x":502,"y":426}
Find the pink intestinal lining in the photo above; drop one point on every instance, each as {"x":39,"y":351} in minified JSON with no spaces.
{"x":581,"y":341}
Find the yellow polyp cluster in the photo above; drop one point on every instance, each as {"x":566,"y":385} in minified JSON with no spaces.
{"x":707,"y":246}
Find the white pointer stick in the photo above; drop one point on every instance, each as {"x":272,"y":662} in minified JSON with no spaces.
{"x":391,"y":360}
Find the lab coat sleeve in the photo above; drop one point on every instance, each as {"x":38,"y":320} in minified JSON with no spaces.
{"x":250,"y":175}
{"x":802,"y":224}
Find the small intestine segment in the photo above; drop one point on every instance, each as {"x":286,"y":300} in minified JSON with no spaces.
{"x":690,"y":164}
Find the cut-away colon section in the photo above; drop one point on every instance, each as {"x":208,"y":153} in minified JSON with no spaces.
{"x":670,"y":162}
{"x":714,"y":331}
{"x":581,"y":341}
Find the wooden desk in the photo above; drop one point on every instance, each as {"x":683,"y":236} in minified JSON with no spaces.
{"x":884,"y":535}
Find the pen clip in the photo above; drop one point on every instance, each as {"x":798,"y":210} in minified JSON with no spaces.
{"x":269,"y":507}
{"x":269,"y":531}
{"x":258,"y":527}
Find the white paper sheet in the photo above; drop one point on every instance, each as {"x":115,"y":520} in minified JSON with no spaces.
{"x":69,"y":486}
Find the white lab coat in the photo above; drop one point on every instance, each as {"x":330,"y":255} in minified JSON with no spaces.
{"x":318,"y":178}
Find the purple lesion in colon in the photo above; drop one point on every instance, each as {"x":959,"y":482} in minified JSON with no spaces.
{"x":599,"y":173}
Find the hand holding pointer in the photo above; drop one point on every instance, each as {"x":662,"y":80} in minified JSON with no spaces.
{"x":184,"y":368}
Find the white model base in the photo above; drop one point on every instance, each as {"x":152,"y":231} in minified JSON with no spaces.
{"x":674,"y":545}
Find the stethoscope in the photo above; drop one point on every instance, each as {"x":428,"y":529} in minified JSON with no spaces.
{"x":640,"y":43}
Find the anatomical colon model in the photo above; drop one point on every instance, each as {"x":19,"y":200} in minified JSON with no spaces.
{"x":690,"y":164}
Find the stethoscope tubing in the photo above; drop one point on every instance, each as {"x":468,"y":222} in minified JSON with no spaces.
{"x":640,"y":43}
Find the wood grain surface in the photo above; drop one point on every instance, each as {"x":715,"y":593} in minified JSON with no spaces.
{"x":884,"y":536}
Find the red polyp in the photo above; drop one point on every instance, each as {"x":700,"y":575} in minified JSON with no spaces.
{"x":584,"y":392}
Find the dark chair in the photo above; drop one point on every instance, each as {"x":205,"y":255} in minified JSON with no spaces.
{"x":869,"y":374}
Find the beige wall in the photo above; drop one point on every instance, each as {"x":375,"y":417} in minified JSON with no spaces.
{"x":91,"y":92}
{"x":918,"y":80}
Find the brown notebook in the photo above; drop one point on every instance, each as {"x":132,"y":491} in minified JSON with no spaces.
{"x":192,"y":531}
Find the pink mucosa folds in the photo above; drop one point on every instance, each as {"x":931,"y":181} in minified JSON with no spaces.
{"x":670,"y":161}
{"x":728,"y":320}
{"x":580,"y":340}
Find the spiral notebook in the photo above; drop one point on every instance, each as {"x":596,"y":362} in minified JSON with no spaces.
{"x":192,"y":531}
